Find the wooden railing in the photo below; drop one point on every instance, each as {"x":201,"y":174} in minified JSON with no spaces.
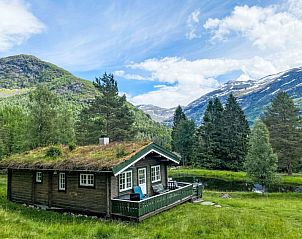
{"x":137,"y":209}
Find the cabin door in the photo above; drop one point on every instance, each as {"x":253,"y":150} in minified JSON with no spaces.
{"x":142,"y":179}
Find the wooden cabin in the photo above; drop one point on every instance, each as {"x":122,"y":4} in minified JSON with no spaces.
{"x":97,"y":179}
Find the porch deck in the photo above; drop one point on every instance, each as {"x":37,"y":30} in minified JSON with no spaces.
{"x":139,"y":210}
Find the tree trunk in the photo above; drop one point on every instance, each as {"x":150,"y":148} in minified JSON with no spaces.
{"x":289,"y":169}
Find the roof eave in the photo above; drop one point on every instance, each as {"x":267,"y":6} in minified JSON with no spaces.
{"x":141,"y":154}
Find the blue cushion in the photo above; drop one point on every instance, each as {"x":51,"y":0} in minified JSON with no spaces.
{"x":138,"y":189}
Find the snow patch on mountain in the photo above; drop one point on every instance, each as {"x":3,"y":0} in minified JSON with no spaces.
{"x":253,"y":95}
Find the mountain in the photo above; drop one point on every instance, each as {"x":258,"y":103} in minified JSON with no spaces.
{"x":157,"y":113}
{"x":22,"y":73}
{"x":253,"y":96}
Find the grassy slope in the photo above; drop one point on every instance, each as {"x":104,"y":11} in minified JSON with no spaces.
{"x":246,"y":215}
{"x":77,"y":92}
{"x":228,"y":175}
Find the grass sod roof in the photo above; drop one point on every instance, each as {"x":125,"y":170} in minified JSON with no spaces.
{"x":91,"y":158}
{"x":113,"y":157}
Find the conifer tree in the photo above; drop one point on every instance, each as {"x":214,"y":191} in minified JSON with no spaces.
{"x":179,"y":115}
{"x":183,"y":140}
{"x":234,"y":135}
{"x":284,"y":125}
{"x":108,"y":115}
{"x":118,"y":119}
{"x":207,"y":140}
{"x":261,"y":162}
{"x":89,"y":127}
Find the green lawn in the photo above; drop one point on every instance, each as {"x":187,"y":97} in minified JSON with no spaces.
{"x":246,"y":215}
{"x":229,"y":176}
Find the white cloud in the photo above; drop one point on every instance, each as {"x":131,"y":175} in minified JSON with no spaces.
{"x":192,"y":25}
{"x":128,"y":96}
{"x":274,"y":37}
{"x":17,"y":23}
{"x":267,"y":28}
{"x":191,"y":79}
{"x":275,"y":31}
{"x":295,"y":7}
{"x":124,"y":75}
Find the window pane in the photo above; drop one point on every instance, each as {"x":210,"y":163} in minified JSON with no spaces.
{"x":62,"y":181}
{"x":38,"y":177}
{"x":125,"y":181}
{"x":141,"y":176}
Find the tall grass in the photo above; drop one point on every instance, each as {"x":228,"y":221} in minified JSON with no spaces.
{"x":246,"y":215}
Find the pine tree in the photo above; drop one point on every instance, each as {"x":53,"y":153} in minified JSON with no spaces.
{"x":108,"y":115}
{"x":261,"y":162}
{"x":284,"y":125}
{"x":89,"y":127}
{"x":183,"y":140}
{"x":234,"y":135}
{"x":207,"y":140}
{"x":179,"y":115}
{"x":215,"y":132}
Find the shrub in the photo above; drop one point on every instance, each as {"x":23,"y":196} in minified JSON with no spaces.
{"x":54,"y":151}
{"x":72,"y":146}
{"x":121,"y":151}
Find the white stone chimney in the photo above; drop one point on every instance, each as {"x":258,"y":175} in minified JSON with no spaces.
{"x":104,"y":141}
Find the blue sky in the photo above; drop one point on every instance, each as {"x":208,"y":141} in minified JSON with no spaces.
{"x":161,"y":52}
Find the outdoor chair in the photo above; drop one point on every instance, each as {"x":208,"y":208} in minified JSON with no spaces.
{"x":158,"y":189}
{"x":138,"y":190}
{"x":258,"y":188}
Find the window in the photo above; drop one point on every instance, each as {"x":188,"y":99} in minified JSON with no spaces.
{"x":125,"y":182}
{"x":38,"y":177}
{"x":62,"y":182}
{"x":87,"y":180}
{"x":155,"y":173}
{"x":141,"y":176}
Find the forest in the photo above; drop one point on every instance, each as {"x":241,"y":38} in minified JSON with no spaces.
{"x":44,"y":118}
{"x":224,"y":140}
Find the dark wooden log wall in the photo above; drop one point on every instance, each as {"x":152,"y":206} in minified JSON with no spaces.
{"x":21,"y":186}
{"x":41,"y":189}
{"x":81,"y":198}
{"x":9,"y":184}
{"x":24,"y":189}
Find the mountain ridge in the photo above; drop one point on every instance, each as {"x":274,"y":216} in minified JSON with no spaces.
{"x":253,"y":96}
{"x":21,"y":74}
{"x":157,"y":113}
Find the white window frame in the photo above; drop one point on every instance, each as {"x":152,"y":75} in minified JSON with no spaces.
{"x":155,"y":174}
{"x":62,"y":181}
{"x":39,"y":177}
{"x":127,"y":184}
{"x":87,"y":179}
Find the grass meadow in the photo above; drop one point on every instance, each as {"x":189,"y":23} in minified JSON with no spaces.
{"x":245,"y":215}
{"x":230,"y":176}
